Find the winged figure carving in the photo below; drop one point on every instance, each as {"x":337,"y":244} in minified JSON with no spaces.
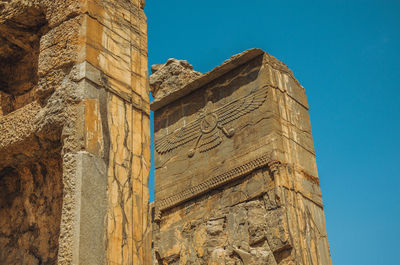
{"x":206,"y":129}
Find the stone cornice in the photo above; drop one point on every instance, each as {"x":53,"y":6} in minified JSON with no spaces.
{"x":218,"y":71}
{"x":215,"y":182}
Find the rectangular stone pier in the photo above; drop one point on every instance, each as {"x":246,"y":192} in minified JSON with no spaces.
{"x":236,"y":177}
{"x":74,"y":132}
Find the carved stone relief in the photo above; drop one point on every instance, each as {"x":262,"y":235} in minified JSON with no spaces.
{"x":215,"y":181}
{"x":232,"y":233}
{"x":235,"y":169}
{"x":193,"y":134}
{"x":206,"y":130}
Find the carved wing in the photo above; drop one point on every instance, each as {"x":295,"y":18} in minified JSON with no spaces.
{"x":242,"y":106}
{"x":224,"y":114}
{"x":187,"y":133}
{"x":209,"y":140}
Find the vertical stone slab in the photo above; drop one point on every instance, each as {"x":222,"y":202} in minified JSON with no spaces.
{"x":236,"y":178}
{"x":91,"y":172}
{"x":117,"y":58}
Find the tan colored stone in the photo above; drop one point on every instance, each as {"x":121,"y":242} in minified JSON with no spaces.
{"x":170,"y":77}
{"x":93,"y":127}
{"x":74,"y":102}
{"x":236,"y":179}
{"x":30,"y":212}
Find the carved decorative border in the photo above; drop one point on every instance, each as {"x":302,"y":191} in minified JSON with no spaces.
{"x":213,"y":182}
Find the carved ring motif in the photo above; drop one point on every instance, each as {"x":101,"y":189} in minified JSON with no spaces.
{"x":204,"y":130}
{"x":209,"y":123}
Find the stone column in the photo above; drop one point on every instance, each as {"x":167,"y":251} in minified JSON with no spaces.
{"x":236,"y":178}
{"x":87,"y":108}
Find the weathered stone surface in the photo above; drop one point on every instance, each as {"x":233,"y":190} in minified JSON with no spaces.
{"x":236,"y":179}
{"x":218,"y":71}
{"x":74,"y":93}
{"x":224,"y":227}
{"x":19,"y":53}
{"x":171,"y":76}
{"x":30,"y":210}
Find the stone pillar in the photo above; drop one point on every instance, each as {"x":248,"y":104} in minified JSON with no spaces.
{"x":74,"y":115}
{"x":236,"y":178}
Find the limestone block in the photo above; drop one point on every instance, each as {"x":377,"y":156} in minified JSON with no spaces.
{"x":59,"y":11}
{"x":127,"y":182}
{"x":92,"y":209}
{"x":83,"y":100}
{"x":171,"y":76}
{"x":93,"y":128}
{"x":236,"y":178}
{"x":61,"y":46}
{"x":18,"y":126}
{"x":215,"y":230}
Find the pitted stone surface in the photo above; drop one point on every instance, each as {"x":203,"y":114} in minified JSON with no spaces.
{"x":30,"y":210}
{"x":171,"y":76}
{"x":66,"y":100}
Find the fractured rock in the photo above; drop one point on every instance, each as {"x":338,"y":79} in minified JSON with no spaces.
{"x":170,"y":77}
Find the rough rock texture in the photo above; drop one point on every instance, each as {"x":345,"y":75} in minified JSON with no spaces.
{"x":171,"y":76}
{"x":190,"y":85}
{"x":74,"y":97}
{"x":30,"y":210}
{"x":238,"y":224}
{"x":19,"y":54}
{"x":236,"y":178}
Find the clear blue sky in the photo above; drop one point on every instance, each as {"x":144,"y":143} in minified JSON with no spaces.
{"x":346,"y":55}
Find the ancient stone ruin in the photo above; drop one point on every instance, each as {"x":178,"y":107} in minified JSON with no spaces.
{"x":74,"y":132}
{"x":236,"y":177}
